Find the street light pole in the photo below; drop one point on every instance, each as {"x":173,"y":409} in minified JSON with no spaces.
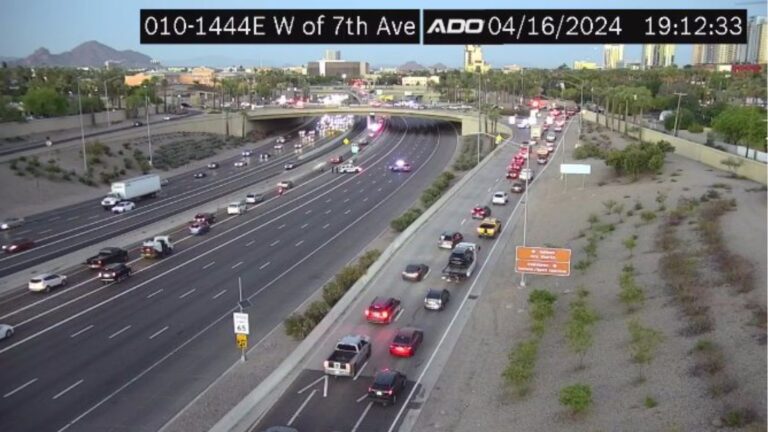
{"x":677,"y":112}
{"x":82,"y":129}
{"x":525,"y":208}
{"x":479,"y":115}
{"x":149,"y":134}
{"x":106,"y":97}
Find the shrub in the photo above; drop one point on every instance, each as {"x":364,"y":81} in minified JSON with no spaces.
{"x":519,"y":370}
{"x":630,"y":294}
{"x":650,"y":402}
{"x":576,"y":397}
{"x":316,"y":311}
{"x":297,"y":326}
{"x":648,"y":216}
{"x":739,"y":417}
{"x":644,"y":342}
{"x":588,"y":150}
{"x":695,"y":128}
{"x":332,"y":293}
{"x":582,"y":265}
{"x":630,"y":243}
{"x":401,"y":223}
{"x":638,"y":158}
{"x":541,"y":302}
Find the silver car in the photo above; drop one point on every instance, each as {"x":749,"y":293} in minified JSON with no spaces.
{"x":13,"y":222}
{"x":6,"y":331}
{"x":46,"y":282}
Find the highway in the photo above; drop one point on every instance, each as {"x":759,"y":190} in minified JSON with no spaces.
{"x":315,"y":402}
{"x":128,"y":356}
{"x":63,"y":230}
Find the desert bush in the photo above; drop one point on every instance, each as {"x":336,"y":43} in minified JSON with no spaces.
{"x":643,"y":343}
{"x":631,"y":294}
{"x":588,"y":150}
{"x":402,"y":222}
{"x":582,"y":265}
{"x":577,"y":397}
{"x":698,"y":324}
{"x":738,"y":418}
{"x":630,"y":243}
{"x":297,"y":326}
{"x":542,"y":304}
{"x":650,"y":402}
{"x":648,"y":216}
{"x":520,"y":369}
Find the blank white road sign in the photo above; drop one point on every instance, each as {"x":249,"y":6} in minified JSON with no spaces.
{"x":241,"y":323}
{"x":575,"y":169}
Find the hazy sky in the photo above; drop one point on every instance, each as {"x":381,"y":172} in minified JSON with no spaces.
{"x":60,"y":25}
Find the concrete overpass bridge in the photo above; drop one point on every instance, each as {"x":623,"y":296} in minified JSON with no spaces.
{"x":465,"y":121}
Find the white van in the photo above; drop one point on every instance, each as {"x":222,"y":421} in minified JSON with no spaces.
{"x":236,"y":208}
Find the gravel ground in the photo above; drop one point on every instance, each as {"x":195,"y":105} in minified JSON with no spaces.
{"x":470,"y":395}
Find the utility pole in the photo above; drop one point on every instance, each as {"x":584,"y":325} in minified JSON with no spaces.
{"x":149,"y":135}
{"x":106,"y":97}
{"x":82,"y":130}
{"x":677,"y":113}
{"x":479,"y":114}
{"x":525,"y":207}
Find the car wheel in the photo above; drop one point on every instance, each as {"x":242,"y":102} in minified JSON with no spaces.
{"x":47,"y":288}
{"x":8,"y":333}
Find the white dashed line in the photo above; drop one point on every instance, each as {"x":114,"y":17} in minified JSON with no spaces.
{"x":462,"y":221}
{"x":328,"y":200}
{"x":93,"y":217}
{"x":119,"y":331}
{"x":263,"y":266}
{"x":328,"y":211}
{"x":72,"y":218}
{"x":79,"y":332}
{"x":159,"y":332}
{"x":219,"y":294}
{"x":155,"y":293}
{"x":365,"y":199}
{"x":187,"y":293}
{"x":20,"y":388}
{"x":274,"y":243}
{"x":362,"y":190}
{"x":346,"y":200}
{"x":54,"y":218}
{"x":237,"y":265}
{"x":304,"y":226}
{"x":299,"y":243}
{"x":46,"y":231}
{"x":378,"y":190}
{"x":281,"y":226}
{"x":250,"y":242}
{"x":209,"y":264}
{"x":345,"y":191}
{"x":61,"y":393}
{"x":308,"y":211}
{"x":326,"y":225}
{"x":347,"y":212}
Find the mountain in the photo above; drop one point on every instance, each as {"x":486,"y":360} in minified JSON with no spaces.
{"x":91,"y":53}
{"x":410,"y":66}
{"x":439,"y":67}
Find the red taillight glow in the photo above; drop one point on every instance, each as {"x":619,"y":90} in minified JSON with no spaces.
{"x":367,"y":312}
{"x":384,"y":314}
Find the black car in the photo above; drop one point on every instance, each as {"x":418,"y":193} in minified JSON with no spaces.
{"x":115,"y":273}
{"x":107,"y":255}
{"x":137,"y":124}
{"x":264,"y":156}
{"x":209,"y":218}
{"x":415,"y":272}
{"x":387,"y":384}
{"x":518,"y":187}
{"x":290,"y":165}
{"x":437,"y":299}
{"x":200,"y":175}
{"x":213,"y":165}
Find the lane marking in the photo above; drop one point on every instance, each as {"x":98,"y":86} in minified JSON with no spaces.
{"x":365,"y":199}
{"x":119,"y":331}
{"x":463,"y":221}
{"x":362,"y":398}
{"x":328,"y":211}
{"x":357,"y":375}
{"x":344,"y":191}
{"x":20,"y":388}
{"x":274,"y":243}
{"x":346,"y":200}
{"x":308,"y":212}
{"x":263,"y":266}
{"x":159,"y":332}
{"x":362,"y":190}
{"x":79,"y":332}
{"x":72,"y":218}
{"x":304,"y":226}
{"x":219,"y":294}
{"x":45,"y":231}
{"x":61,"y":393}
{"x":93,"y":217}
{"x":326,"y":225}
{"x":378,"y":190}
{"x":300,"y":242}
{"x":237,"y":265}
{"x":308,"y":386}
{"x":298,"y":411}
{"x":187,"y":293}
{"x":347,"y":212}
{"x":281,"y":226}
{"x":360,"y":420}
{"x":54,"y":218}
{"x":209,"y":264}
{"x":328,"y":200}
{"x":250,"y":243}
{"x":155,"y":293}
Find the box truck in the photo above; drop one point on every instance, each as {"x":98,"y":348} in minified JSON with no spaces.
{"x":132,"y":189}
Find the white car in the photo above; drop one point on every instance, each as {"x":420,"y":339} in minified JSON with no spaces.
{"x":11,"y":223}
{"x":254,"y":198}
{"x":500,"y":198}
{"x":246,"y":153}
{"x":278,"y":146}
{"x":297,"y":146}
{"x":236,"y":208}
{"x":123,"y":206}
{"x":558,"y":128}
{"x":280,"y":140}
{"x":240,"y":164}
{"x":526,"y":174}
{"x":551,"y":137}
{"x":350,"y":169}
{"x":46,"y":282}
{"x":166,"y":118}
{"x":6,"y":331}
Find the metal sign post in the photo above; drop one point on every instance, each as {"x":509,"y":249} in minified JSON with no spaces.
{"x":241,"y":322}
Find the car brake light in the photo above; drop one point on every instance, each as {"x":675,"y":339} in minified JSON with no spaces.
{"x":384,"y":314}
{"x":389,"y":392}
{"x":367,"y":312}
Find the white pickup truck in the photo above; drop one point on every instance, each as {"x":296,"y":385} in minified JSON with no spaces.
{"x":349,"y":168}
{"x":350,"y":354}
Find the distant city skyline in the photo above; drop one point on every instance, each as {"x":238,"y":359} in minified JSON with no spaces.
{"x":27,"y":25}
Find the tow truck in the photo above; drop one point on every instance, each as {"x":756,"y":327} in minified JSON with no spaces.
{"x":157,"y":247}
{"x":461,"y":263}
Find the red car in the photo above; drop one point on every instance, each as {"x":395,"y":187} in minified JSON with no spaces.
{"x":481,"y":212}
{"x":18,"y":245}
{"x":406,"y":342}
{"x":514,"y":174}
{"x":382,"y":310}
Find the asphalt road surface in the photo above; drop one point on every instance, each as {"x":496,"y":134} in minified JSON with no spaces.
{"x":128,"y":356}
{"x":314,"y":402}
{"x":70,"y":228}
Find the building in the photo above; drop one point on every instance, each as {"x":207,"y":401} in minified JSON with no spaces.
{"x":199,"y":75}
{"x":613,"y":56}
{"x":658,"y":55}
{"x":332,"y":55}
{"x":717,"y":54}
{"x":757,"y":42}
{"x":337,"y":68}
{"x":583,"y":64}
{"x":420,"y":81}
{"x":511,"y":68}
{"x":138,"y":79}
{"x":298,"y":70}
{"x":473,"y":59}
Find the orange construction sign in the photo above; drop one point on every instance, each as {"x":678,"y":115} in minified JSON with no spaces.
{"x":543,"y":261}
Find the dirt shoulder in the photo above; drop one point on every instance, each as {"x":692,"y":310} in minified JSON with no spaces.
{"x":696,"y":358}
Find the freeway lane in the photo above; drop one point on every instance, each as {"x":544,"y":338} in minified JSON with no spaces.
{"x":181,"y":306}
{"x":312,"y":402}
{"x":83,"y":224}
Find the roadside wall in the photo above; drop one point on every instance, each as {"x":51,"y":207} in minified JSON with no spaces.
{"x":41,"y":126}
{"x":751,"y":169}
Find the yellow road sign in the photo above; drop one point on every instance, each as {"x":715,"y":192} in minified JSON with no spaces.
{"x":499,"y":139}
{"x":346,"y":141}
{"x":242,"y":340}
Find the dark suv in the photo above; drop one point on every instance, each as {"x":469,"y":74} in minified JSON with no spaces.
{"x":382,"y":310}
{"x":449,"y":239}
{"x":115,"y":273}
{"x":387,"y":384}
{"x":210,"y":218}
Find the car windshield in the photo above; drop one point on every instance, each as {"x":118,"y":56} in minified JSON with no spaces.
{"x":384,"y":379}
{"x":402,"y":339}
{"x":499,"y":194}
{"x":433,"y":294}
{"x":412,"y":268}
{"x":36,"y":280}
{"x":487,"y":225}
